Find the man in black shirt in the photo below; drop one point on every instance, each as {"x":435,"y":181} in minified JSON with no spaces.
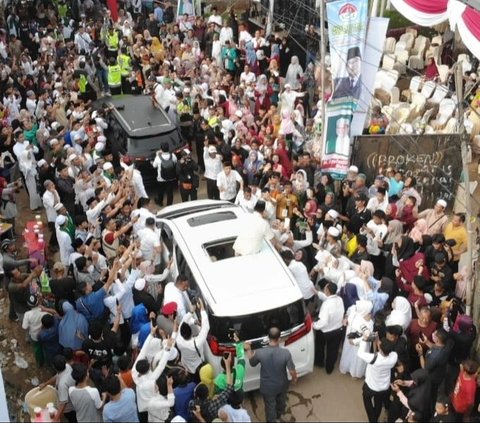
{"x":360,"y":215}
{"x":141,"y":295}
{"x":441,"y":272}
{"x":99,"y":347}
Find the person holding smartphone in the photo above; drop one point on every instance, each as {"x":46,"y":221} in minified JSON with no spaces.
{"x":238,"y":369}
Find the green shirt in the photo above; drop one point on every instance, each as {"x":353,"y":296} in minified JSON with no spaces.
{"x":238,"y":371}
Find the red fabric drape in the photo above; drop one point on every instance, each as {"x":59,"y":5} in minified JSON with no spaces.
{"x":433,"y":7}
{"x":471,"y":17}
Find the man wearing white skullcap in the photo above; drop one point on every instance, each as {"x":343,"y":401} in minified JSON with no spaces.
{"x":64,"y":240}
{"x":50,"y":199}
{"x":436,"y":218}
{"x":108,"y":174}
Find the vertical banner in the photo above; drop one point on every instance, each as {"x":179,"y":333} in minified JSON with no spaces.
{"x":336,"y":154}
{"x":347,"y":30}
{"x":377,"y":31}
{"x":186,"y":7}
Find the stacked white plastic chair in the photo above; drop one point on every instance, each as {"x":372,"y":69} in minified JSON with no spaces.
{"x":415,"y":86}
{"x":418,"y":53}
{"x":445,"y":111}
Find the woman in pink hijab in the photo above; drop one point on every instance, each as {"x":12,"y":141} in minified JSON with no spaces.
{"x":419,"y":229}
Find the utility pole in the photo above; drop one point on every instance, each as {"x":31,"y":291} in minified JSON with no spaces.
{"x":323,"y":53}
{"x":269,"y":26}
{"x":382,"y":7}
{"x":466,"y":181}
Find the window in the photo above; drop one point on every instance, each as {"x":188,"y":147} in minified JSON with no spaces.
{"x":184,"y":269}
{"x":211,"y":218}
{"x":257,"y":325}
{"x":220,"y":250}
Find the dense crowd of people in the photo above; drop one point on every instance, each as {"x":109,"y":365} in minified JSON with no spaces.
{"x":378,"y":272}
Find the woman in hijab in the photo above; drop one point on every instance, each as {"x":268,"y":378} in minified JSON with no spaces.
{"x":284,"y":54}
{"x":419,"y":229}
{"x":397,"y":251}
{"x":401,"y":314}
{"x":273,"y":71}
{"x":394,"y":233}
{"x":463,"y":334}
{"x":8,"y":206}
{"x":262,"y":93}
{"x":431,"y":70}
{"x":287,"y":126}
{"x":359,"y":321}
{"x":282,"y":153}
{"x":294,"y":74}
{"x":418,"y":398}
{"x":410,"y":267}
{"x":28,"y":166}
{"x":349,"y":295}
{"x":300,"y":185}
{"x":371,"y":286}
{"x":73,"y":328}
{"x":251,"y":57}
{"x":251,"y":167}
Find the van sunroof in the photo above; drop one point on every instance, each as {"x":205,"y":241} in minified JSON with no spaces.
{"x":220,"y":250}
{"x":211,"y":218}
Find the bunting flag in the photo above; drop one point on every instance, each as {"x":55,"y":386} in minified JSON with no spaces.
{"x":463,"y":18}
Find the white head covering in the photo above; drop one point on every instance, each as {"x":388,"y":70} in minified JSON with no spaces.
{"x":60,"y":220}
{"x":401,"y":314}
{"x":333,"y":231}
{"x":333,"y":214}
{"x":140,"y":284}
{"x":363,"y":307}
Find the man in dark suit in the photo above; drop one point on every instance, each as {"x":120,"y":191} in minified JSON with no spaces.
{"x":351,"y":85}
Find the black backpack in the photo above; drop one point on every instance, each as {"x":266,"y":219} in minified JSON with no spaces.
{"x":168,"y":170}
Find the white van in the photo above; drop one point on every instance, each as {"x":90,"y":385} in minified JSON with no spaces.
{"x":247,"y":293}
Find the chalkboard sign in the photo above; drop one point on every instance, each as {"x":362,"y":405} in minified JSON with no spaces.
{"x":434,"y":160}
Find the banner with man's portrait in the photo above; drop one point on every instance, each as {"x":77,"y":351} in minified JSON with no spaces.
{"x":336,"y":152}
{"x":347,"y":28}
{"x":186,"y":11}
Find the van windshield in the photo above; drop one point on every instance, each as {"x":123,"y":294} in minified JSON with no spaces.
{"x":256,"y":325}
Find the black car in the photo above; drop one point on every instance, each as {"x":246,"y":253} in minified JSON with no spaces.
{"x":137,"y":129}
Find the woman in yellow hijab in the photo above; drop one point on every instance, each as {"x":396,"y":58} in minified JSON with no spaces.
{"x":156,"y":49}
{"x":207,"y":376}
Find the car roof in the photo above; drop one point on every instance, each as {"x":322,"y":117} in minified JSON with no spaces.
{"x":190,"y":207}
{"x":138,"y":117}
{"x":234,"y":286}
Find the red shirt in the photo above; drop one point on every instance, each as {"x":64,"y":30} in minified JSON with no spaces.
{"x":414,"y":330}
{"x":463,"y":397}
